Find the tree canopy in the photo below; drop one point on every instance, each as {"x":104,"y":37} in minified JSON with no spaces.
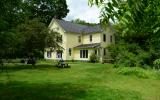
{"x":137,"y":22}
{"x":17,"y":22}
{"x":34,"y":37}
{"x":83,"y":22}
{"x":45,"y":10}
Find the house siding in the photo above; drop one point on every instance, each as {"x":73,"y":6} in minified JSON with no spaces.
{"x":72,"y":41}
{"x":96,"y":38}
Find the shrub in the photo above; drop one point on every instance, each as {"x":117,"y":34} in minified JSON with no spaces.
{"x":130,"y":55}
{"x":156,"y":64}
{"x":158,"y":75}
{"x":93,"y":58}
{"x":139,"y":72}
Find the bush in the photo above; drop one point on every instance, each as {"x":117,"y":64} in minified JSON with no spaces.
{"x":130,"y":55}
{"x":93,"y":58}
{"x":158,"y":75}
{"x":139,"y":72}
{"x":156,"y":64}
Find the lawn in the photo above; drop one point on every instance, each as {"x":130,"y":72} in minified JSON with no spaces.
{"x":83,"y":81}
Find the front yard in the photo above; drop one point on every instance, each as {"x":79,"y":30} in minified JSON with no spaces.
{"x":83,"y":81}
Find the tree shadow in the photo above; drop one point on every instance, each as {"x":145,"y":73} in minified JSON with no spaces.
{"x":24,"y":91}
{"x":26,"y":67}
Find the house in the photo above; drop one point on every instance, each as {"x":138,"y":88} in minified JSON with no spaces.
{"x":80,"y":41}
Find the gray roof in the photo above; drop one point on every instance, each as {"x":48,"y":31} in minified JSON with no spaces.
{"x":93,"y":45}
{"x":78,"y":28}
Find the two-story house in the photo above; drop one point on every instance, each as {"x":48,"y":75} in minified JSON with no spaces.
{"x":80,"y":41}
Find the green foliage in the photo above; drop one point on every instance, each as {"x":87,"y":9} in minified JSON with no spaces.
{"x":30,"y":36}
{"x":83,"y":22}
{"x":158,"y":75}
{"x":130,"y":55}
{"x":137,"y":22}
{"x":136,"y":71}
{"x":8,"y":44}
{"x":45,"y":10}
{"x":34,"y":36}
{"x":157,"y":63}
{"x":135,"y":17}
{"x":93,"y":58}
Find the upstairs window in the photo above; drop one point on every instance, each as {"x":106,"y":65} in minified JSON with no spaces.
{"x":111,"y":38}
{"x":70,"y":51}
{"x":79,"y":39}
{"x":90,"y":38}
{"x":104,"y":37}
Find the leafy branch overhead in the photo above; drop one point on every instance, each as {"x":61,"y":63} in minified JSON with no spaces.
{"x":136,"y":16}
{"x":137,"y":22}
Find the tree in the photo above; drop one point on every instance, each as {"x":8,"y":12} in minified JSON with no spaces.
{"x":45,"y":10}
{"x":35,"y":37}
{"x":14,"y":13}
{"x":8,"y":42}
{"x":137,"y":22}
{"x":10,"y":10}
{"x":83,"y":22}
{"x":136,"y":19}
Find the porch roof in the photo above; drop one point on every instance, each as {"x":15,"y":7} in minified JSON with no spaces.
{"x":93,"y":45}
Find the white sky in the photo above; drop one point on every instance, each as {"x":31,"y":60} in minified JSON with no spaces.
{"x":80,"y":9}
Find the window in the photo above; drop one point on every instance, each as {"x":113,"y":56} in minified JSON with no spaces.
{"x":111,"y":38}
{"x":90,"y":38}
{"x":83,"y":53}
{"x":59,"y":54}
{"x":79,"y":39}
{"x":95,"y":52}
{"x":104,"y":51}
{"x":104,"y":37}
{"x":70,"y":51}
{"x":49,"y":54}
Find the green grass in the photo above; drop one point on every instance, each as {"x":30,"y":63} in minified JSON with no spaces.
{"x":83,"y":81}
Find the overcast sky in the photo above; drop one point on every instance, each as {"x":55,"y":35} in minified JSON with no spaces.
{"x":80,"y":9}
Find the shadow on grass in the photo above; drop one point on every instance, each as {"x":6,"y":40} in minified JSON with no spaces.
{"x":24,"y":91}
{"x":18,"y":67}
{"x":62,"y":91}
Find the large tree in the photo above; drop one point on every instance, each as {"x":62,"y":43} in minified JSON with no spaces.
{"x":34,"y":37}
{"x":9,"y":18}
{"x":136,"y":18}
{"x":45,"y":10}
{"x":137,"y":22}
{"x":19,"y":12}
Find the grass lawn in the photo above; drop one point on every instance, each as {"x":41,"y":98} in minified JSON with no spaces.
{"x":83,"y":81}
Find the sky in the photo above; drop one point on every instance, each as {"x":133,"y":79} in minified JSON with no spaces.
{"x":80,"y":9}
